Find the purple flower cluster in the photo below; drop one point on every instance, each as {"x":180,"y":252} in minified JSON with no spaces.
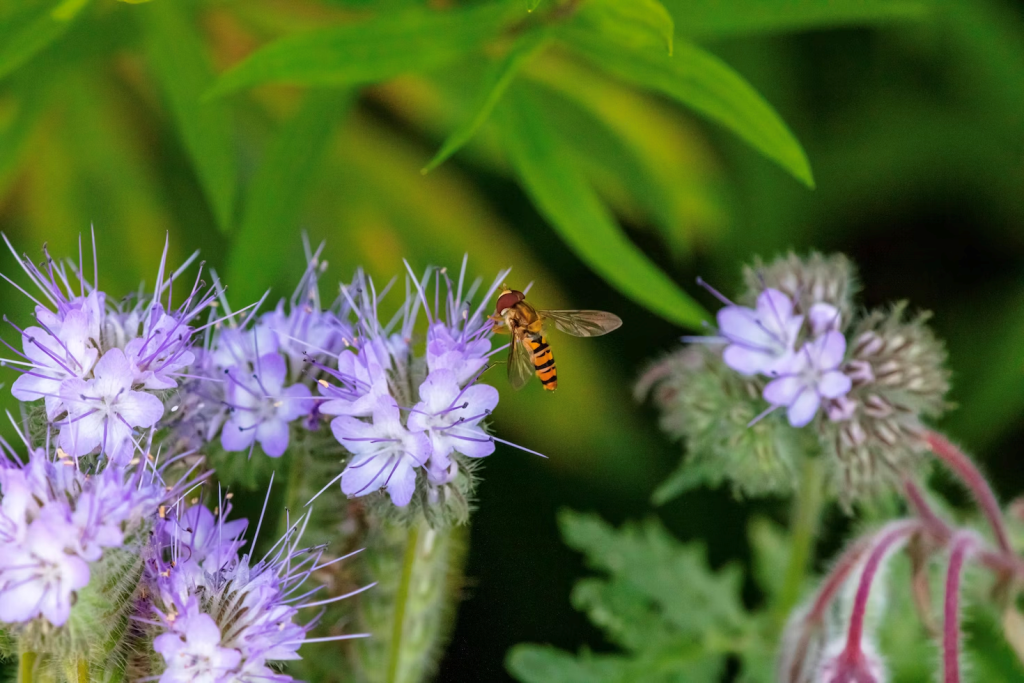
{"x":802,"y":353}
{"x":56,"y":520}
{"x":399,"y":410}
{"x":397,"y":404}
{"x":219,"y":616}
{"x":100,"y":367}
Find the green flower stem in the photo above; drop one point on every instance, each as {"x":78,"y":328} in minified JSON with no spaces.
{"x":807,"y":510}
{"x":83,"y":671}
{"x":27,"y":667}
{"x":409,"y":612}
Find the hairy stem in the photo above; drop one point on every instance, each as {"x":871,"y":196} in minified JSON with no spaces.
{"x":418,"y":569}
{"x":964,"y":468}
{"x":401,"y":599}
{"x":951,"y":619}
{"x":27,"y":667}
{"x":887,"y":538}
{"x":806,"y":516}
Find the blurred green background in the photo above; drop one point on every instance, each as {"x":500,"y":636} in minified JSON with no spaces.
{"x":910,"y":114}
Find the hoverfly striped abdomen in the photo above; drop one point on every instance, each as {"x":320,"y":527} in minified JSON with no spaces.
{"x":543,"y":362}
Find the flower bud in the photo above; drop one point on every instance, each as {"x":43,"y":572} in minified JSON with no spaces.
{"x":897,"y":367}
{"x":811,"y":280}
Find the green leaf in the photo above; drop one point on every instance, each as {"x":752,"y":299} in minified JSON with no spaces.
{"x":707,"y":85}
{"x":181,"y":67}
{"x":370,"y":51}
{"x":496,"y":83}
{"x":28,"y":31}
{"x":532,"y":5}
{"x":674,"y":576}
{"x":672,"y":663}
{"x":563,"y":196}
{"x":637,"y":23}
{"x":275,"y":196}
{"x":16,"y":126}
{"x":714,"y":18}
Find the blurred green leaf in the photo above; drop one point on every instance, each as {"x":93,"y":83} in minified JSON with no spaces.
{"x":715,"y":18}
{"x":563,"y":196}
{"x":498,"y":78}
{"x":30,"y":29}
{"x":672,"y":575}
{"x":370,"y":51}
{"x":181,"y":67}
{"x":637,"y":23}
{"x":704,"y":83}
{"x":674,"y":617}
{"x":24,"y":106}
{"x":274,"y":199}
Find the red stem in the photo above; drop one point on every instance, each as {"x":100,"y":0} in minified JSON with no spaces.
{"x":964,"y":468}
{"x":887,"y":537}
{"x":951,"y":625}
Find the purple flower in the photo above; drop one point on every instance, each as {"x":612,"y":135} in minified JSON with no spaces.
{"x":55,"y":520}
{"x":385,"y":454}
{"x":39,"y":577}
{"x":206,"y":540}
{"x":809,"y":376}
{"x":451,"y":416}
{"x":192,"y":652}
{"x":56,"y":357}
{"x":464,"y":355}
{"x":230,"y":618}
{"x":761,"y":339}
{"x":261,"y":406}
{"x":363,"y":381}
{"x":103,"y":411}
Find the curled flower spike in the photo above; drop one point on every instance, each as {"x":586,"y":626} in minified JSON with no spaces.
{"x":222,"y":616}
{"x":98,"y":365}
{"x":58,"y":522}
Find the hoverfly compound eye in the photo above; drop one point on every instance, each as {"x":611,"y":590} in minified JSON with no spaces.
{"x":507,"y":300}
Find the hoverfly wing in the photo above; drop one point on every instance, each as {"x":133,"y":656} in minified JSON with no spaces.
{"x":520,"y":367}
{"x":583,"y":323}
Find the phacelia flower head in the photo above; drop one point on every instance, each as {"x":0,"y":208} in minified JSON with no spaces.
{"x":409,"y":417}
{"x":72,"y":534}
{"x":219,"y":615}
{"x":99,"y":366}
{"x":859,"y":386}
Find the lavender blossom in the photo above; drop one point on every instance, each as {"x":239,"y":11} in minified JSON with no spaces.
{"x":261,"y":406}
{"x":220,"y":616}
{"x":56,"y":522}
{"x":97,"y":365}
{"x":399,"y":412}
{"x":809,"y":376}
{"x":760,"y":340}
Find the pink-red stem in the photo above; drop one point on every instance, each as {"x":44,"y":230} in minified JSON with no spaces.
{"x":964,"y":468}
{"x":887,"y":537}
{"x":951,"y":625}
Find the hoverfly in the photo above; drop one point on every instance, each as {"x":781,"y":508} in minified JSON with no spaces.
{"x":529,"y":353}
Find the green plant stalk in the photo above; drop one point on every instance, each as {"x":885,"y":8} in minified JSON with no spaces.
{"x":27,"y":667}
{"x":409,"y":612}
{"x":807,"y":509}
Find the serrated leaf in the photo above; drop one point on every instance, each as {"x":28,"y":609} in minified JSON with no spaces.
{"x":182,"y":69}
{"x":714,"y":18}
{"x":638,"y":23}
{"x":28,"y":31}
{"x":369,"y":51}
{"x":686,"y":477}
{"x":704,"y":83}
{"x":563,"y":196}
{"x":676,"y":577}
{"x":622,"y":611}
{"x":674,"y":662}
{"x":495,"y":84}
{"x":274,"y":198}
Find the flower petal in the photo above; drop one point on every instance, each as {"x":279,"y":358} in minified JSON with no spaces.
{"x":804,"y":408}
